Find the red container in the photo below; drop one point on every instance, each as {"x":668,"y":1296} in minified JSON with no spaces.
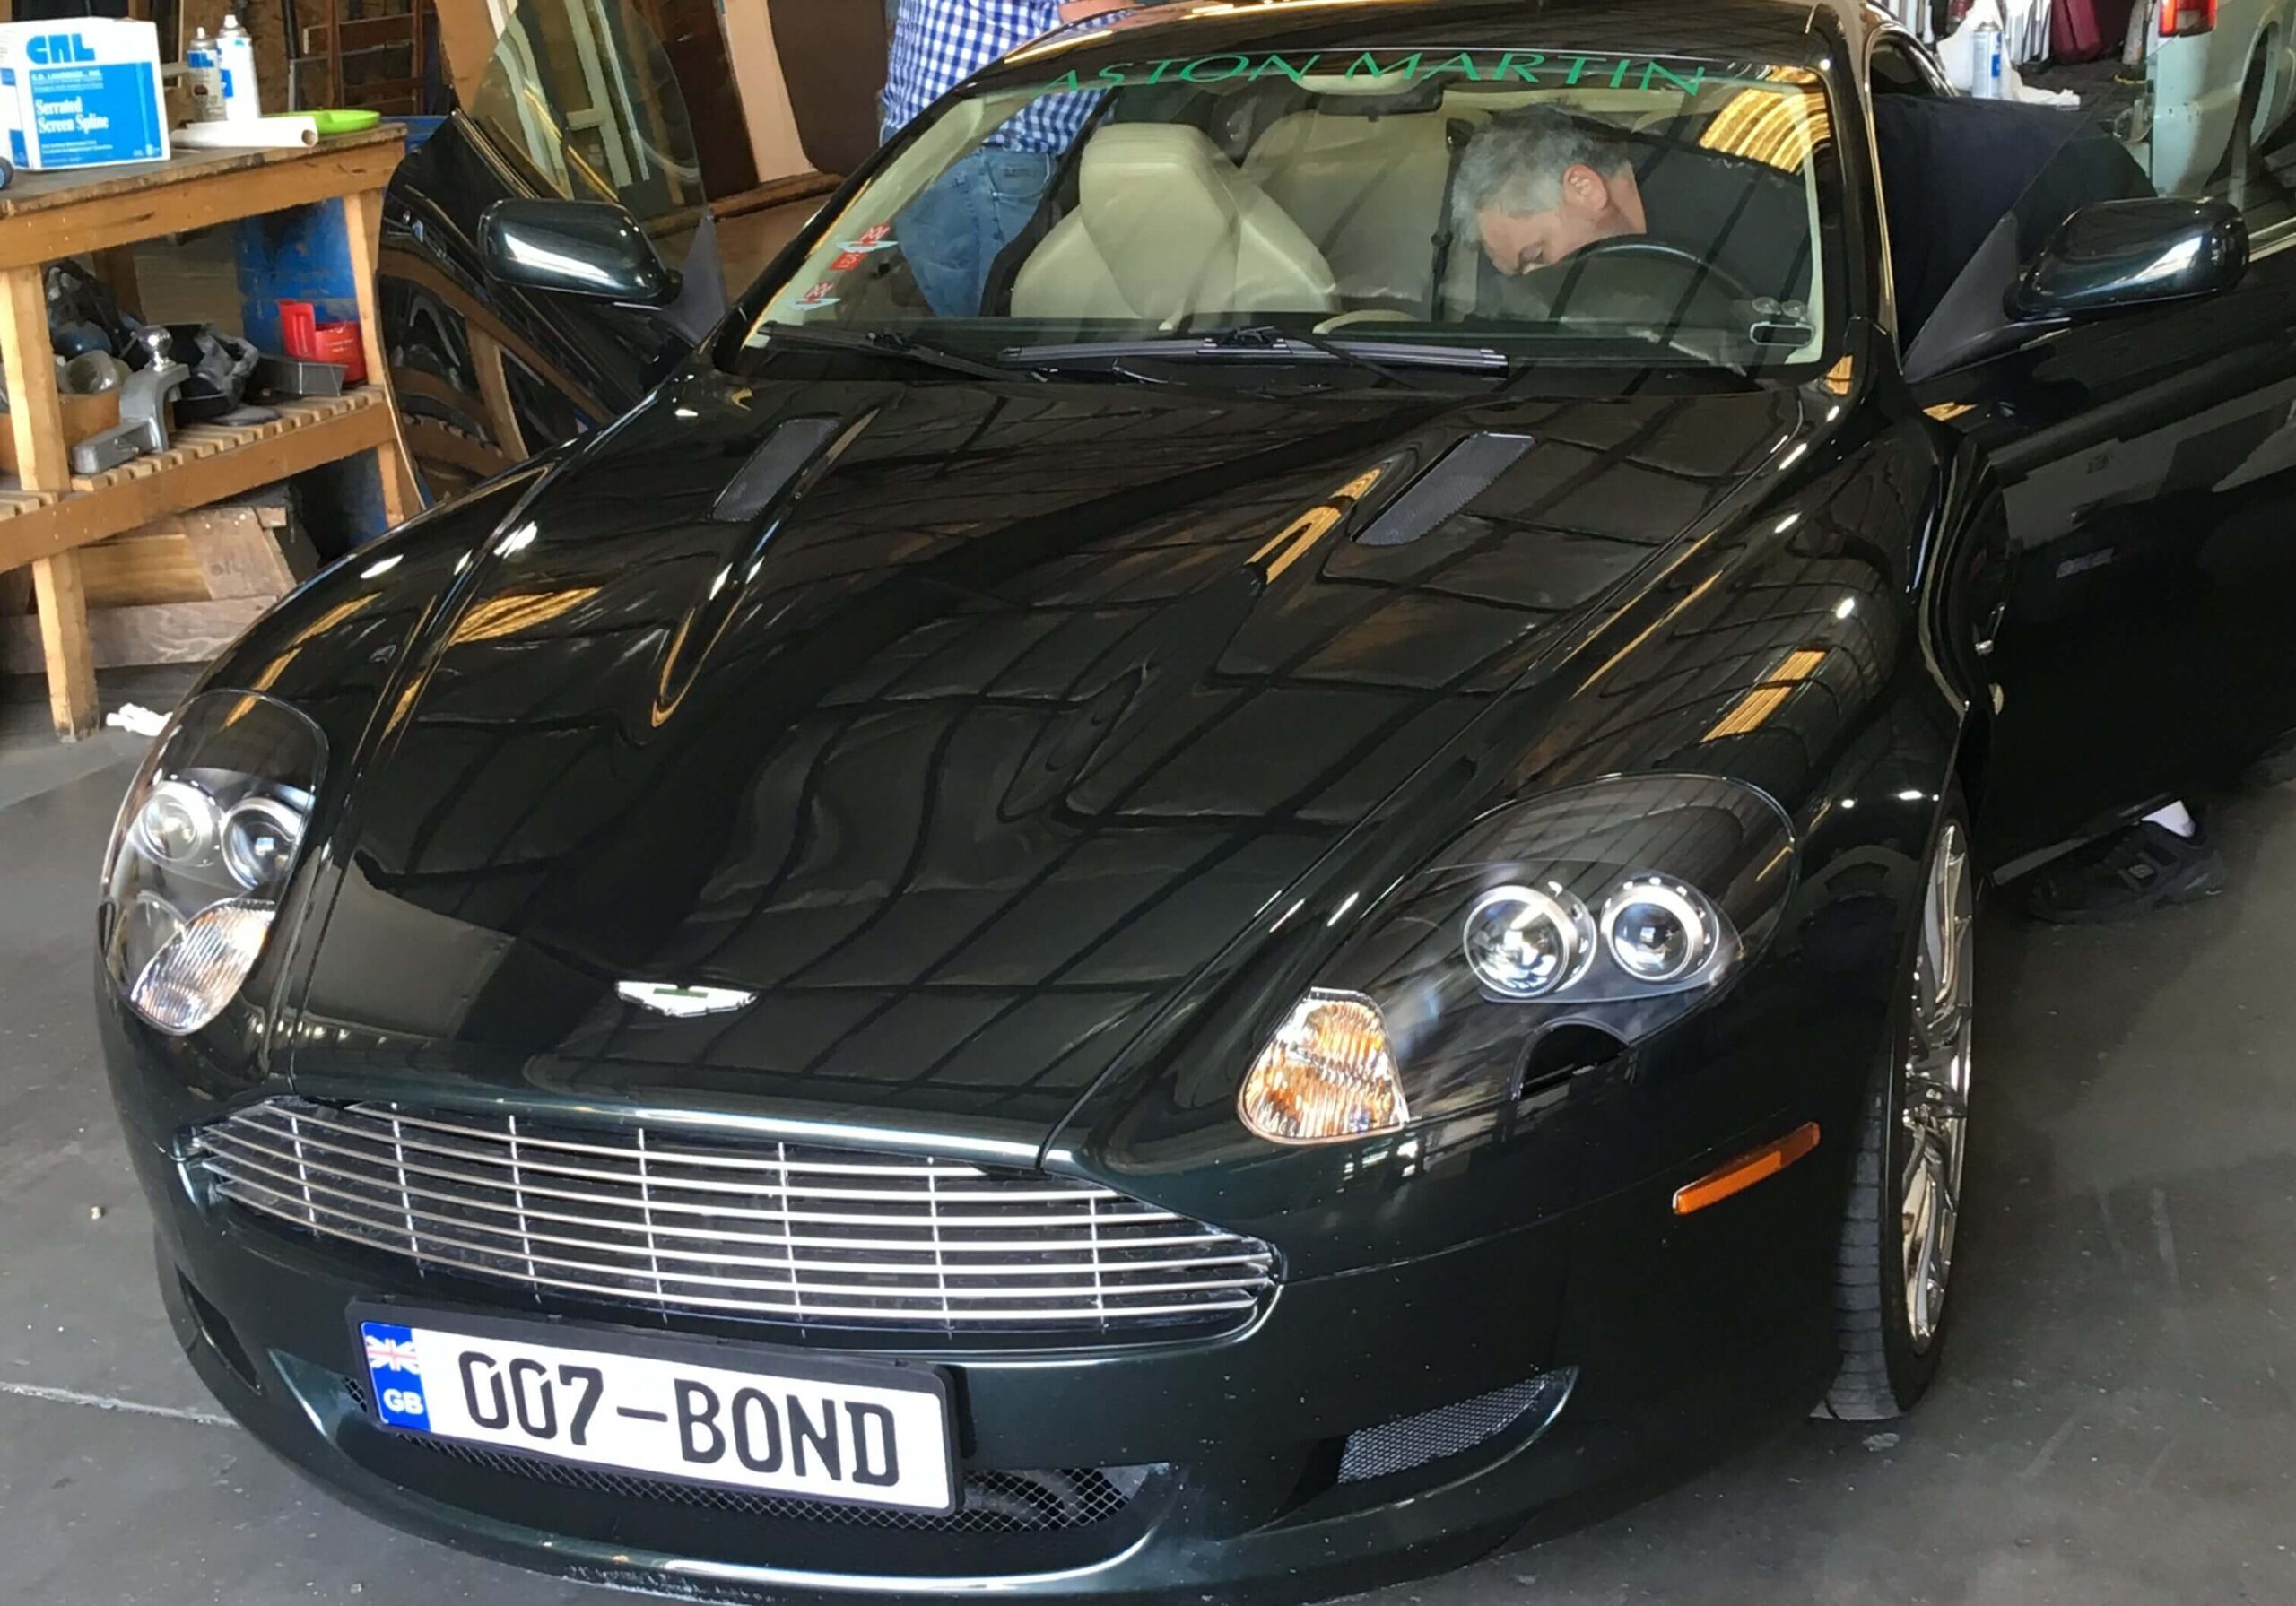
{"x":305,"y":337}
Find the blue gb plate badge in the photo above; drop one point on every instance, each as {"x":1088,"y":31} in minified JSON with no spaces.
{"x":395,"y":1374}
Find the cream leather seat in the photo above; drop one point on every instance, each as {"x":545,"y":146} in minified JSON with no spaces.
{"x":1166,"y":228}
{"x":1368,"y":191}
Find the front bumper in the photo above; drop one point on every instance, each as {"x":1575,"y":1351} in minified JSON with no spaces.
{"x":1681,"y":1333}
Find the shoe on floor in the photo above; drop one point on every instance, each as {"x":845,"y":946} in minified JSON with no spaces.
{"x":2139,"y":868}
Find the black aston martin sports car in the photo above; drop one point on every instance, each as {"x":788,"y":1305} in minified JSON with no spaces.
{"x":1237,"y":888}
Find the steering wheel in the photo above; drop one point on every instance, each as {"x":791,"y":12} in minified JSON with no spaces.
{"x":1641,"y":249}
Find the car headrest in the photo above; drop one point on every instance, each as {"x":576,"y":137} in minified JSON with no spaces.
{"x":1182,"y":231}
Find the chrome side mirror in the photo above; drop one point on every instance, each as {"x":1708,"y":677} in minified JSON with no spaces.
{"x":576,"y":248}
{"x":2112,"y":255}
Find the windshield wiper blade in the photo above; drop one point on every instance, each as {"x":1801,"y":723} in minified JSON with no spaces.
{"x":883,"y":343}
{"x":1262,"y":343}
{"x":1263,"y":338}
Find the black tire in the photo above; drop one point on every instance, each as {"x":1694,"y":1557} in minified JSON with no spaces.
{"x":1884,"y":1370}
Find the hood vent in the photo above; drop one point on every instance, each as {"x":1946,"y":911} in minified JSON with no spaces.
{"x":778,"y":464}
{"x":1460,"y":475}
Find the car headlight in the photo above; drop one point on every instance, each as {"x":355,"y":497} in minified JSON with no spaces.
{"x":1615,"y":908}
{"x":206,"y":839}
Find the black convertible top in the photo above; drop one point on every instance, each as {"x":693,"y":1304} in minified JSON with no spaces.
{"x":1953,"y":171}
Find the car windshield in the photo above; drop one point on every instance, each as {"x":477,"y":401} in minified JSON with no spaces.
{"x":1463,"y":209}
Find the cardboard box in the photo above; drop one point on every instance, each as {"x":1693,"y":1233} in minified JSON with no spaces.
{"x":82,"y":93}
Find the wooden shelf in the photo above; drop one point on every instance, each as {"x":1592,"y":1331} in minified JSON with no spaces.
{"x":204,"y":463}
{"x":49,"y":513}
{"x":45,"y":216}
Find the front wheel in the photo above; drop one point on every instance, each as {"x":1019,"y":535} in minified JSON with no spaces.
{"x":1896,"y":1260}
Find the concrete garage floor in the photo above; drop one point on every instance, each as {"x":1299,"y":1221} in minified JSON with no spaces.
{"x":2112,"y":1427}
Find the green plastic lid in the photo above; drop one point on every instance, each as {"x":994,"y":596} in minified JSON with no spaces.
{"x":337,"y":120}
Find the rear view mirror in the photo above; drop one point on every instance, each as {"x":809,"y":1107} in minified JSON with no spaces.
{"x":574,"y":247}
{"x":2112,"y":255}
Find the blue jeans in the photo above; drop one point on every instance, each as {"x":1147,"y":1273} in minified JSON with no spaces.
{"x":952,"y":232}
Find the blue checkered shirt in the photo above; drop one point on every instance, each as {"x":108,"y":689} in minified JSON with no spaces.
{"x":938,"y":44}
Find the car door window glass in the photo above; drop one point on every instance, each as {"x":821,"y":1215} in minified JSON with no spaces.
{"x":581,"y":94}
{"x":1896,"y":67}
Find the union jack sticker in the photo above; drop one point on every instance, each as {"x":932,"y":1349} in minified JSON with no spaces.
{"x":391,"y":1354}
{"x":395,"y":1375}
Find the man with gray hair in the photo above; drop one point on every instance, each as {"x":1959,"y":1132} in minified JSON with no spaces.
{"x":1538,"y":184}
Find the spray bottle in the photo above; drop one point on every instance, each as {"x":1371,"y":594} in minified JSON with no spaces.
{"x":1985,"y":82}
{"x":204,"y":77}
{"x":235,"y":53}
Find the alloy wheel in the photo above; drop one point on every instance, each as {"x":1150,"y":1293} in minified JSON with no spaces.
{"x":1933,"y":1106}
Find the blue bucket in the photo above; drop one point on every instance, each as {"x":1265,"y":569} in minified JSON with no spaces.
{"x":300,"y":255}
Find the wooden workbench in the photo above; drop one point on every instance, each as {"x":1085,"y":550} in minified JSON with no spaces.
{"x":50,"y":512}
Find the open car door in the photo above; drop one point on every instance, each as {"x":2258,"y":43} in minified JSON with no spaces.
{"x":2122,"y":370}
{"x":579,"y":101}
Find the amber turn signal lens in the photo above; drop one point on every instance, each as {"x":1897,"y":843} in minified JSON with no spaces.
{"x":1747,"y":1169}
{"x":1327,"y":1074}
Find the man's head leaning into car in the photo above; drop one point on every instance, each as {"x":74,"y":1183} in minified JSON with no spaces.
{"x":1538,"y":184}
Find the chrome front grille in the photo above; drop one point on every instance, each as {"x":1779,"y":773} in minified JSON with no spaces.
{"x":671,"y":1220}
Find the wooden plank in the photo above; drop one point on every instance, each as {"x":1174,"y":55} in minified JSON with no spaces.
{"x":237,"y":556}
{"x":775,"y":146}
{"x":82,"y":416}
{"x":35,"y":415}
{"x":44,"y":216}
{"x":151,"y":565}
{"x":66,"y":652}
{"x":362,"y":228}
{"x":36,"y":419}
{"x":32,"y":191}
{"x":116,"y":502}
{"x":466,"y":35}
{"x":194,"y":441}
{"x":779,"y":192}
{"x":157,"y":633}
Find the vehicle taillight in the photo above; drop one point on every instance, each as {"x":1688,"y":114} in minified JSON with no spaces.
{"x":2180,"y":18}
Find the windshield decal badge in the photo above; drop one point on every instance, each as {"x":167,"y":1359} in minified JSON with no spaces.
{"x":669,"y":998}
{"x":1571,"y":70}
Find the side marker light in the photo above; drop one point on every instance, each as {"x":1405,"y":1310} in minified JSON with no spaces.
{"x":1737,"y":1175}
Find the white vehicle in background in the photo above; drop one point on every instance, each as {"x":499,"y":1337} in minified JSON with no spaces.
{"x":2219,"y":79}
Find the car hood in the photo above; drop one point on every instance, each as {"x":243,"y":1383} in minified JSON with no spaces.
{"x":869,"y":756}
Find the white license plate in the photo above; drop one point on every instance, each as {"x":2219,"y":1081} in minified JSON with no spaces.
{"x":869,"y":1433}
